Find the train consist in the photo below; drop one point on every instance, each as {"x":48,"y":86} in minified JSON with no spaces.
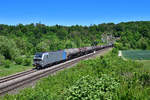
{"x":45,"y":59}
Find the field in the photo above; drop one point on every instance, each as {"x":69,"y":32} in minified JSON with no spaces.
{"x":146,"y":64}
{"x":142,"y":56}
{"x":136,"y":54}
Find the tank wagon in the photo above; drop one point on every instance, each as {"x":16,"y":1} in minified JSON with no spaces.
{"x":45,"y":59}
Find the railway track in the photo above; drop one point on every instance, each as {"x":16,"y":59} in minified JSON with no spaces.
{"x":15,"y":81}
{"x":14,"y":76}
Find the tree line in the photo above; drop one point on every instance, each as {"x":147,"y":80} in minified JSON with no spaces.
{"x":17,"y":40}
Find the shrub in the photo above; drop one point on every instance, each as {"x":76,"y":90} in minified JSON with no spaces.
{"x":19,"y":60}
{"x":27,"y":62}
{"x":115,"y":51}
{"x":145,"y":79}
{"x":2,"y":58}
{"x":90,"y":88}
{"x":8,"y":48}
{"x":7,"y":63}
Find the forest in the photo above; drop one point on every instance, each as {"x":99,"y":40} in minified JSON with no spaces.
{"x":17,"y":41}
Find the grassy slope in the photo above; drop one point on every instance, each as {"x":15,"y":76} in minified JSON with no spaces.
{"x":13,"y":69}
{"x":58,"y":77}
{"x":129,"y":73}
{"x":19,"y":68}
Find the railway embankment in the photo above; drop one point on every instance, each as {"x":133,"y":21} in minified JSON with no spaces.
{"x":12,"y":82}
{"x":104,"y":77}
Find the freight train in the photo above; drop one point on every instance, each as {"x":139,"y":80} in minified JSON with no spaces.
{"x":45,"y":59}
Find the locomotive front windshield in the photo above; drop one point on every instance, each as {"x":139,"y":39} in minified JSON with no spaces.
{"x":38,"y":55}
{"x":37,"y":59}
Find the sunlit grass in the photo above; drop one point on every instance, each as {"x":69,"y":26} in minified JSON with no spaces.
{"x":13,"y":69}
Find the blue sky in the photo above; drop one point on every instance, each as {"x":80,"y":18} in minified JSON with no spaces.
{"x":71,"y":12}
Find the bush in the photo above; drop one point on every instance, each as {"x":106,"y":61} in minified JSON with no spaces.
{"x":27,"y":62}
{"x":7,"y":63}
{"x":8,"y":48}
{"x":90,"y":88}
{"x":19,"y":60}
{"x":2,"y":58}
{"x":145,"y":79}
{"x":115,"y":51}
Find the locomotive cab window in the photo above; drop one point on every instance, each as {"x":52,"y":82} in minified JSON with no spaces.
{"x":37,"y":59}
{"x":38,"y":55}
{"x":45,"y":56}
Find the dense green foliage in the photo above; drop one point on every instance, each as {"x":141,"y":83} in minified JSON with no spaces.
{"x":29,"y":39}
{"x":108,"y":77}
{"x":136,"y":54}
{"x":91,"y":88}
{"x":8,"y":67}
{"x":135,"y":35}
{"x":8,"y":48}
